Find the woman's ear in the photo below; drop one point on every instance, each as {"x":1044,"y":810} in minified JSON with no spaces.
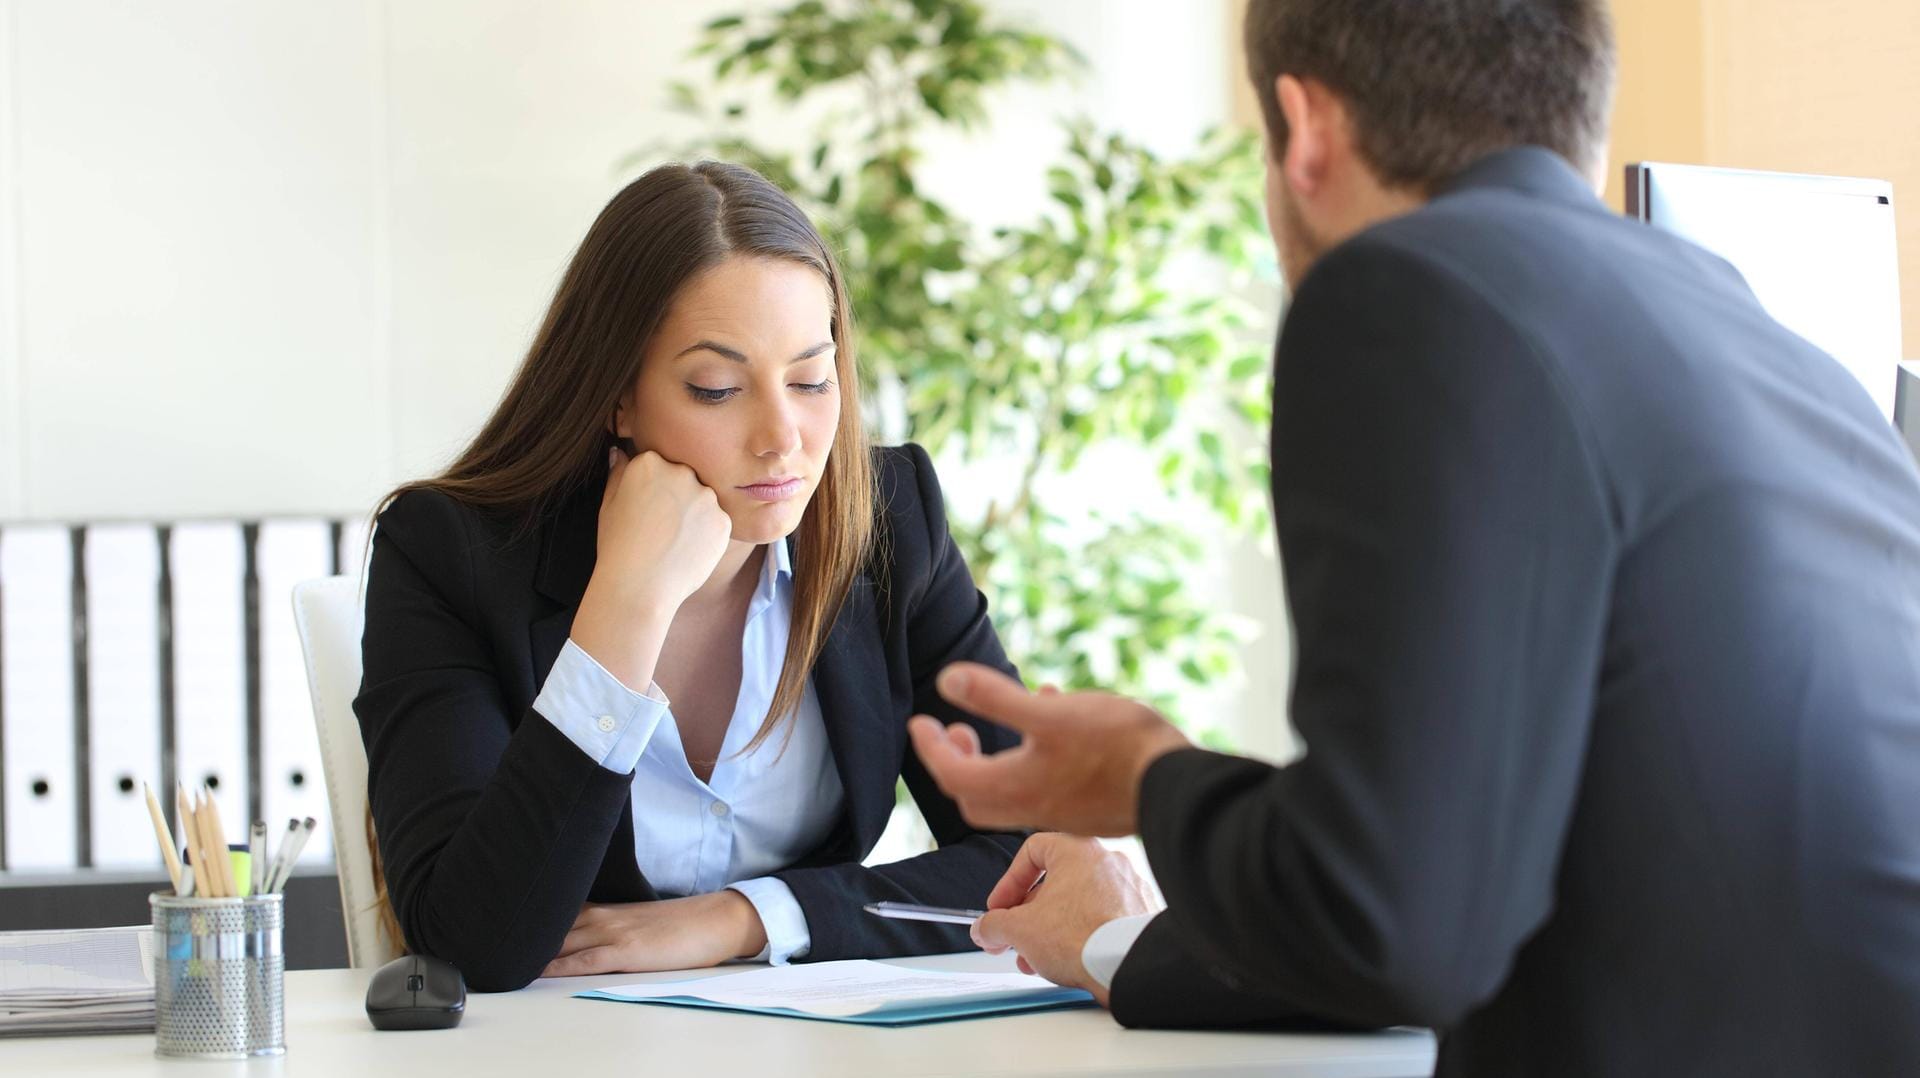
{"x":620,"y":424}
{"x":619,"y":433}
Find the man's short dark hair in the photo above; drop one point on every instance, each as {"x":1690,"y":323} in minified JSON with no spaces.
{"x":1434,"y":85}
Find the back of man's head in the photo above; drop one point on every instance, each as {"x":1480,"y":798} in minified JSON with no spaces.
{"x":1434,"y":85}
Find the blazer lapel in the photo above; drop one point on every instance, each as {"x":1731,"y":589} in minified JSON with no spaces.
{"x":566,"y":565}
{"x":850,"y":680}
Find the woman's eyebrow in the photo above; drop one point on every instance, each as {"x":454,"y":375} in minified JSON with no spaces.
{"x":740,"y":357}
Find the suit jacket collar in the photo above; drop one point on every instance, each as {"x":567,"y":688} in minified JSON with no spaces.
{"x":1531,"y":170}
{"x":849,"y":680}
{"x":569,"y":543}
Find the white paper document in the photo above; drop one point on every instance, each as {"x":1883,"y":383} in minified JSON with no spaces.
{"x":76,"y":963}
{"x":841,"y":989}
{"x":89,"y":980}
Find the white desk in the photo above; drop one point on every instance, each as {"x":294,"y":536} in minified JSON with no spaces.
{"x":540,"y":1032}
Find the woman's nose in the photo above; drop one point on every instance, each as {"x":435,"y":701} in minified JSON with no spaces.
{"x":775,"y":432}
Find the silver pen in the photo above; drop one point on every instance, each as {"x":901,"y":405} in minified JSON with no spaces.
{"x":257,"y":857}
{"x":280,"y":855}
{"x":290,"y":847}
{"x":908,"y":911}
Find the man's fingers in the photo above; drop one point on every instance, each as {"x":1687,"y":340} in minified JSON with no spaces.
{"x":996,"y":931}
{"x":992,"y":791}
{"x":1029,"y":864}
{"x":929,"y":739}
{"x":993,"y":695}
{"x":958,"y":772}
{"x":964,"y":739}
{"x":961,"y":738}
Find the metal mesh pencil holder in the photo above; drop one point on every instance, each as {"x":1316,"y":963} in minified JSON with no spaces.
{"x":218,"y":976}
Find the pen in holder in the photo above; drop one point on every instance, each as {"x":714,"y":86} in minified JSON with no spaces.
{"x":218,"y":981}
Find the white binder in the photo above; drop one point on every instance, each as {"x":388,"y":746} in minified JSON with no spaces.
{"x":123,"y":678}
{"x":36,"y":635}
{"x":292,"y":783}
{"x":209,"y":654}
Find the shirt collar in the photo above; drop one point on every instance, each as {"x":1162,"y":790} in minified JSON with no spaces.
{"x":781,"y":562}
{"x":776,"y":567}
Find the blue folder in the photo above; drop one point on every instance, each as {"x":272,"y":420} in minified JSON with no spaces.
{"x":909,"y":1013}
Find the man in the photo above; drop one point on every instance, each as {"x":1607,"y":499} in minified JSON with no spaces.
{"x":1606,"y":590}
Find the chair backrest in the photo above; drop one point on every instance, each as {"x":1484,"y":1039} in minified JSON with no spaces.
{"x":328,"y":613}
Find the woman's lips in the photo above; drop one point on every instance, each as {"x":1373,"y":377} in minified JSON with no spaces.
{"x":774,"y":492}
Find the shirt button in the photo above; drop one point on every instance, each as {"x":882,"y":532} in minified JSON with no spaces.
{"x":718,"y":808}
{"x":606,"y":724}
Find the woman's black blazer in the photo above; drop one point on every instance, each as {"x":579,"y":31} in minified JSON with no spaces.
{"x":494,"y":828}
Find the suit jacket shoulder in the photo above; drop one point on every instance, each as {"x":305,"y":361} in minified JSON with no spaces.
{"x":910,"y":522}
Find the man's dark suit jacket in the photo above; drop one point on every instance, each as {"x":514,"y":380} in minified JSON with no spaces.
{"x":495,"y":828}
{"x":1607,"y":598}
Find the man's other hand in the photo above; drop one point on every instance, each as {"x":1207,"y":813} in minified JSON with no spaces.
{"x":1047,"y":922}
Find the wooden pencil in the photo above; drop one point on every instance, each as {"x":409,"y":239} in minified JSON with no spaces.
{"x":203,"y":852}
{"x":218,"y":838}
{"x":209,"y":875}
{"x":165,"y":836}
{"x":204,"y":883}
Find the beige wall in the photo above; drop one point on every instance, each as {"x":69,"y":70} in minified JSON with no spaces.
{"x":1784,"y":85}
{"x":1659,"y":113}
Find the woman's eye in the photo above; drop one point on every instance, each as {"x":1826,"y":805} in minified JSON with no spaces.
{"x":812,"y":387}
{"x":710,"y":396}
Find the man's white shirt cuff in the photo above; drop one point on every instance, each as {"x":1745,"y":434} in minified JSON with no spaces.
{"x":608,"y":721}
{"x":1108,"y":946}
{"x":780,"y":915}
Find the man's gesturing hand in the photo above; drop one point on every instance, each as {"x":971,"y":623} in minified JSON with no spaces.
{"x":1086,"y":886}
{"x":1078,"y":765}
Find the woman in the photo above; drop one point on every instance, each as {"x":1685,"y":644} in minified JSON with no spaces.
{"x":638,"y":666}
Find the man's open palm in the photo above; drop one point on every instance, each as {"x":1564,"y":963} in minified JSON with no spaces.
{"x":1077,"y":768}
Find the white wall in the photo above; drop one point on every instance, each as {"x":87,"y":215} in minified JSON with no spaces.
{"x":271,"y":258}
{"x":192,"y":235}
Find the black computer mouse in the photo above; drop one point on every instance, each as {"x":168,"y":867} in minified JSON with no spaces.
{"x":415,"y":991}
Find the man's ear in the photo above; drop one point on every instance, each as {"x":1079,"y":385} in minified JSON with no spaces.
{"x":1308,"y":115}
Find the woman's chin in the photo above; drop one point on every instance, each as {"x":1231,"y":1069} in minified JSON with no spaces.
{"x":765,"y":522}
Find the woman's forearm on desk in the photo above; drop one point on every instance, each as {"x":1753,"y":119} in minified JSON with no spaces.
{"x":507,"y":880}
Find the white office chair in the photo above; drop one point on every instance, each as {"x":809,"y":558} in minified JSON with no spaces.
{"x":328,"y":613}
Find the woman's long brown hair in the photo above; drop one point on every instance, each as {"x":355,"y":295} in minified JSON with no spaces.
{"x":551,"y":427}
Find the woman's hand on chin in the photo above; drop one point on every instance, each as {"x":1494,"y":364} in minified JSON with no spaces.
{"x":661,"y":535}
{"x":675,"y":933}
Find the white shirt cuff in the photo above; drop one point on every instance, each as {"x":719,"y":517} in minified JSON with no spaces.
{"x":608,"y":721}
{"x":780,"y":915}
{"x":1108,"y":946}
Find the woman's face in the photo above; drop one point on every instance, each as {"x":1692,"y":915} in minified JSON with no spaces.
{"x":740,"y":385}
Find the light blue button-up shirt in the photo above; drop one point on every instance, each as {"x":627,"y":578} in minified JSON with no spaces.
{"x":757,"y":813}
